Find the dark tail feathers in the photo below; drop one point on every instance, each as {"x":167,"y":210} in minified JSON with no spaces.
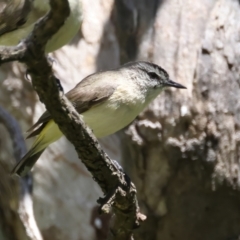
{"x":26,"y":163}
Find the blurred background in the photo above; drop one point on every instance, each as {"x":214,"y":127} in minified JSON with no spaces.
{"x":182,"y":152}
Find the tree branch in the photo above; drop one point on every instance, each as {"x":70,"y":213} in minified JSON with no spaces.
{"x":120,"y":194}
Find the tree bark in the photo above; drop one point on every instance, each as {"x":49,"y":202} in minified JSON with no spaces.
{"x":182,"y":152}
{"x":185,"y":147}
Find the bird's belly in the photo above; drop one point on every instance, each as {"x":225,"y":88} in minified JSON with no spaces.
{"x":67,"y":31}
{"x":62,"y":37}
{"x":106,"y":120}
{"x":14,"y":37}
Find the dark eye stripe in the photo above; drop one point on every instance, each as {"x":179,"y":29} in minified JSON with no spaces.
{"x":153,"y":75}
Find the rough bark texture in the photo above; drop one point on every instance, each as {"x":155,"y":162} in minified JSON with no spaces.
{"x":184,"y":148}
{"x":182,"y":152}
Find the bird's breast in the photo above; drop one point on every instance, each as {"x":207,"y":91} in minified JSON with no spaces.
{"x":114,"y":114}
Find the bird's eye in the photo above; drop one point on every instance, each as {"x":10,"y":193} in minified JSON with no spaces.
{"x":153,"y":75}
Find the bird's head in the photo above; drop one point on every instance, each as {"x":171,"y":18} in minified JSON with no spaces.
{"x":152,"y":75}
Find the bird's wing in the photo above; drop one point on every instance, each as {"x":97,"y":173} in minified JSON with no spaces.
{"x":13,"y":14}
{"x":83,"y":97}
{"x":37,"y":127}
{"x":18,"y":14}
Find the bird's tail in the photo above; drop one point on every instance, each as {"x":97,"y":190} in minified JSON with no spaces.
{"x":48,"y":134}
{"x":26,"y":163}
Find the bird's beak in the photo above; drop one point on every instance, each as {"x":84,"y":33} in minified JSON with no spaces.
{"x":171,"y":83}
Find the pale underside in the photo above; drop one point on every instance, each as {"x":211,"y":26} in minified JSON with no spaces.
{"x":10,"y":35}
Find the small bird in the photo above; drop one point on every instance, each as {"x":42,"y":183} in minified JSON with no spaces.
{"x":17,"y":19}
{"x":108,"y":101}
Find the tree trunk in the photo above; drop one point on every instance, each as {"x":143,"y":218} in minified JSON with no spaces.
{"x":182,"y":152}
